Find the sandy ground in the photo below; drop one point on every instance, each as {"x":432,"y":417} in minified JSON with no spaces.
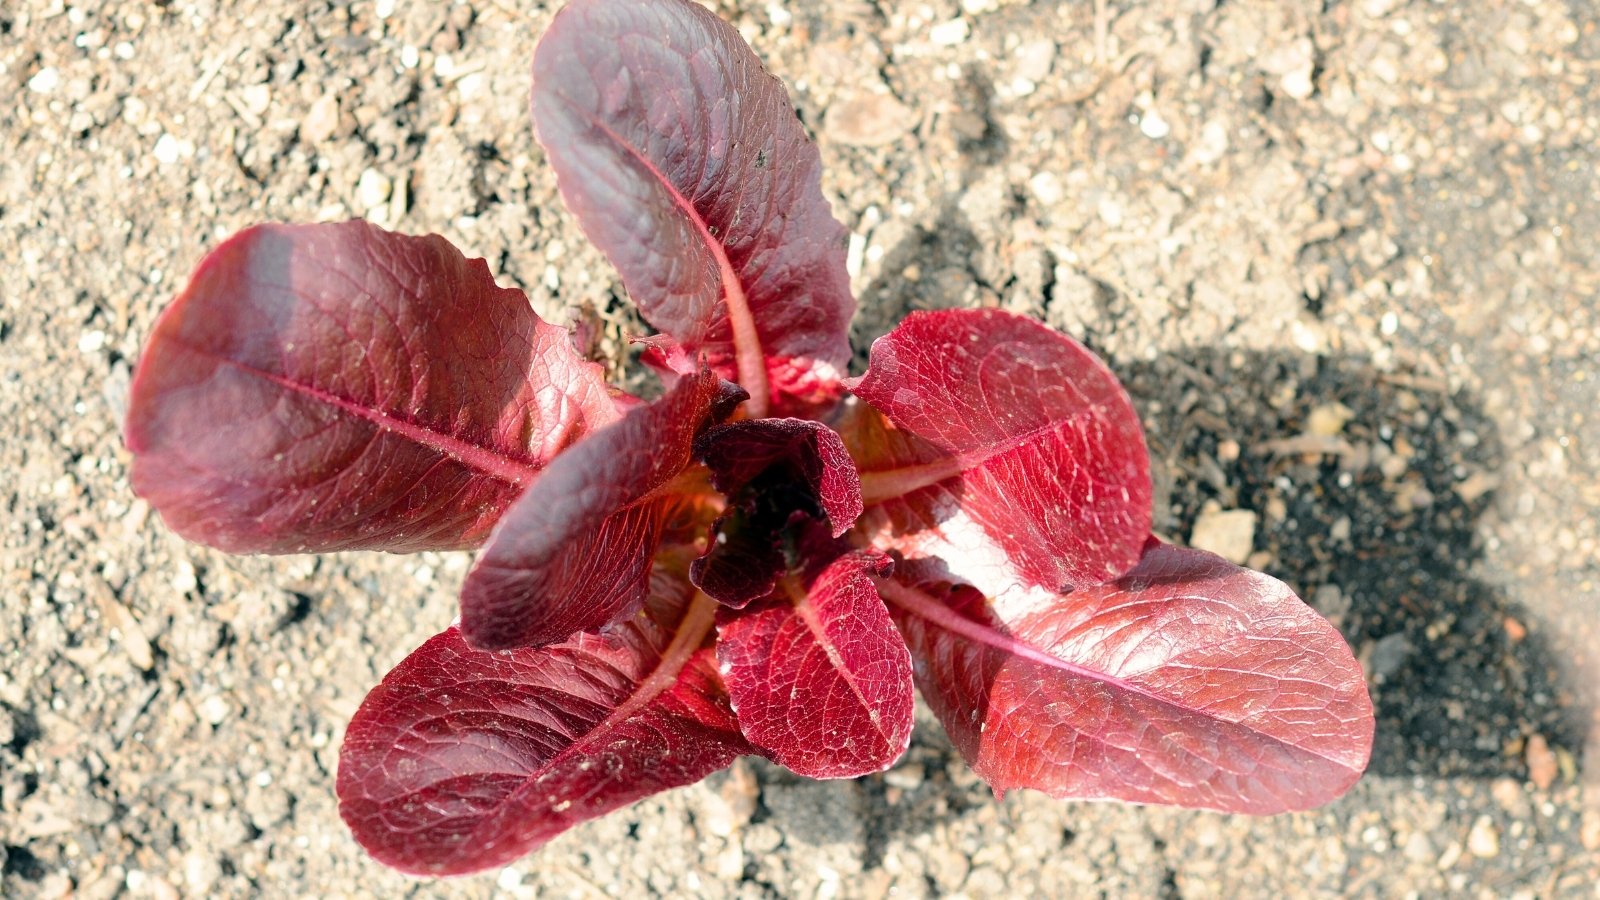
{"x":1344,"y":253}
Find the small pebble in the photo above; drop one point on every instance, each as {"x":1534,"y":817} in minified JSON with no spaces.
{"x":1328,"y":419}
{"x":214,"y":709}
{"x":1542,"y":765}
{"x":1589,"y":831}
{"x":1153,"y":126}
{"x":45,"y":81}
{"x":1450,"y":856}
{"x":907,"y":777}
{"x":1229,"y":533}
{"x":1510,"y":796}
{"x":1484,"y":839}
{"x":256,"y":97}
{"x":167,"y":150}
{"x":372,"y":191}
{"x":1389,"y":654}
{"x":1035,"y":59}
{"x":1515,"y":631}
{"x":321,"y":120}
{"x":186,"y":579}
{"x":951,"y":33}
{"x":1047,"y":188}
{"x":1418,"y":848}
{"x":730,"y":863}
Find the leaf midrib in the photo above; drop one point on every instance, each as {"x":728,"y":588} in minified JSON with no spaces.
{"x":492,"y":462}
{"x":749,"y":356}
{"x":918,"y":604}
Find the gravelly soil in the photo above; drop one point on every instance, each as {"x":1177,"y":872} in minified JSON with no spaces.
{"x":1344,"y":254}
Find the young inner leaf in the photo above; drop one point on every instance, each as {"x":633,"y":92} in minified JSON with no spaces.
{"x":748,"y":355}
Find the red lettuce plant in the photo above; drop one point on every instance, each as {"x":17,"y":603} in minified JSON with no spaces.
{"x":766,"y":559}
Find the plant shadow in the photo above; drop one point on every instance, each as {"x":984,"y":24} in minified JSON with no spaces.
{"x":1376,"y":527}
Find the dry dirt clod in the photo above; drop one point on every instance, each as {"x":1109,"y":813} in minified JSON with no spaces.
{"x":1228,"y":533}
{"x":868,"y":119}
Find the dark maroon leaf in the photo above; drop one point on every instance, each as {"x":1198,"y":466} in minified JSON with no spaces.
{"x":777,"y":473}
{"x":573,"y":553}
{"x":745,"y":555}
{"x":684,"y":162}
{"x":340,"y":387}
{"x":810,"y":454}
{"x":1041,"y":476}
{"x":1188,"y":682}
{"x":819,"y":678}
{"x":463,"y":760}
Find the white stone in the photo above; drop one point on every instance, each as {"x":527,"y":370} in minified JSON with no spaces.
{"x":168,"y":150}
{"x":1153,"y":126}
{"x":45,"y":81}
{"x":1484,"y":839}
{"x":372,"y":190}
{"x":214,"y":709}
{"x":471,"y":85}
{"x":951,"y":33}
{"x":186,"y":579}
{"x":257,"y":98}
{"x":1047,"y":188}
{"x":1298,"y":84}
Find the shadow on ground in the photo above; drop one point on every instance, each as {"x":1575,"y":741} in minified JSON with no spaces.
{"x":1376,"y":527}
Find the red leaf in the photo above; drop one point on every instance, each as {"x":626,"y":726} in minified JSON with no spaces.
{"x":685,"y":164}
{"x":777,"y":473}
{"x":340,"y":387}
{"x":573,"y":554}
{"x":811,"y":453}
{"x":819,"y":677}
{"x":1029,"y":467}
{"x":1188,"y":682}
{"x":745,"y":556}
{"x":463,"y":760}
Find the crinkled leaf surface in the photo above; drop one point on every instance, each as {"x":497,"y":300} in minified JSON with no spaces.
{"x":462,"y":759}
{"x":1189,"y":682}
{"x":1031,"y":467}
{"x":573,"y":553}
{"x":819,"y":677}
{"x":339,"y":387}
{"x":684,"y":162}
